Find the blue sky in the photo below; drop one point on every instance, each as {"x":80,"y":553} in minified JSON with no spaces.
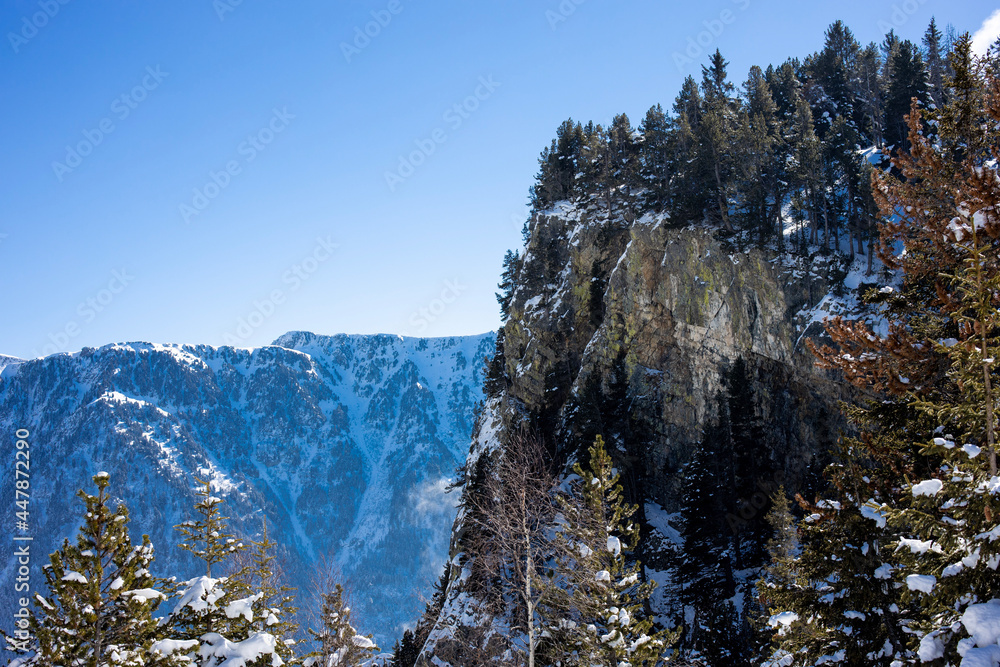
{"x":213,"y":172}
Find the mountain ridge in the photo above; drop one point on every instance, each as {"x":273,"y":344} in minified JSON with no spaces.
{"x":344,"y":443}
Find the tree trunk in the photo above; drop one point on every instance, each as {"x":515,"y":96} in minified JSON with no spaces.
{"x":813,"y":227}
{"x":779,"y":228}
{"x":984,"y":297}
{"x":826,"y":226}
{"x":530,"y":609}
{"x":802,"y":232}
{"x":720,"y":199}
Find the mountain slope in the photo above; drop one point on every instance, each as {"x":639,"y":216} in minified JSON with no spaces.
{"x":6,"y":361}
{"x":345,"y":444}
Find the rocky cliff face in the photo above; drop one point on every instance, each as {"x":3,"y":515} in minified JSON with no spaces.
{"x":345,"y":444}
{"x":666,"y":311}
{"x":676,"y":308}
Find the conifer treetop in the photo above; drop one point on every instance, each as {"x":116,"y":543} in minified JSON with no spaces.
{"x":206,"y":538}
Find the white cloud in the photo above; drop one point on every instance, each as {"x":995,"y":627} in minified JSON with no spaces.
{"x":987,"y":33}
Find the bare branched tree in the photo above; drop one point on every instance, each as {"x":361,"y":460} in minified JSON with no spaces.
{"x":509,"y":519}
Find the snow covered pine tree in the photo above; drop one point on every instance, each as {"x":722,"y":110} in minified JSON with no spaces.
{"x":340,"y":645}
{"x":212,"y":621}
{"x":932,"y":520}
{"x":593,"y":603}
{"x":101,"y":599}
{"x":951,"y":554}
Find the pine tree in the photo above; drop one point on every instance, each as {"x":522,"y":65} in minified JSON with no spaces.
{"x":569,"y":150}
{"x":963,"y":123}
{"x":752,"y":468}
{"x":599,"y":169}
{"x":559,"y":165}
{"x":496,"y":379}
{"x":624,"y":167}
{"x":724,"y":641}
{"x":782,"y":549}
{"x":947,"y":517}
{"x":836,"y":598}
{"x":909,"y":80}
{"x":611,"y":169}
{"x":213,"y":619}
{"x":870,"y":97}
{"x":689,"y":196}
{"x":274,"y":609}
{"x":593,"y":604}
{"x":835,"y":67}
{"x":595,"y":295}
{"x":890,"y":49}
{"x":705,"y":570}
{"x":101,"y":599}
{"x":759,"y":140}
{"x":655,"y":165}
{"x":405,"y":651}
{"x":935,"y":63}
{"x":206,"y":538}
{"x":993,"y":59}
{"x":542,"y":193}
{"x":508,"y":282}
{"x":806,"y":165}
{"x":339,"y":644}
{"x":785,"y":87}
{"x":718,"y":126}
{"x":843,"y":168}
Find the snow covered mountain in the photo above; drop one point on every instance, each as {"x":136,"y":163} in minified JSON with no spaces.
{"x":345,"y":444}
{"x":6,"y":361}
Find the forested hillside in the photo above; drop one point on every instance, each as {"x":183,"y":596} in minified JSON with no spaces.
{"x":792,"y":147}
{"x":671,"y":297}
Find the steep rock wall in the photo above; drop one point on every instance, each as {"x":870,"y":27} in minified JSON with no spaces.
{"x":678,"y":308}
{"x":672,"y":309}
